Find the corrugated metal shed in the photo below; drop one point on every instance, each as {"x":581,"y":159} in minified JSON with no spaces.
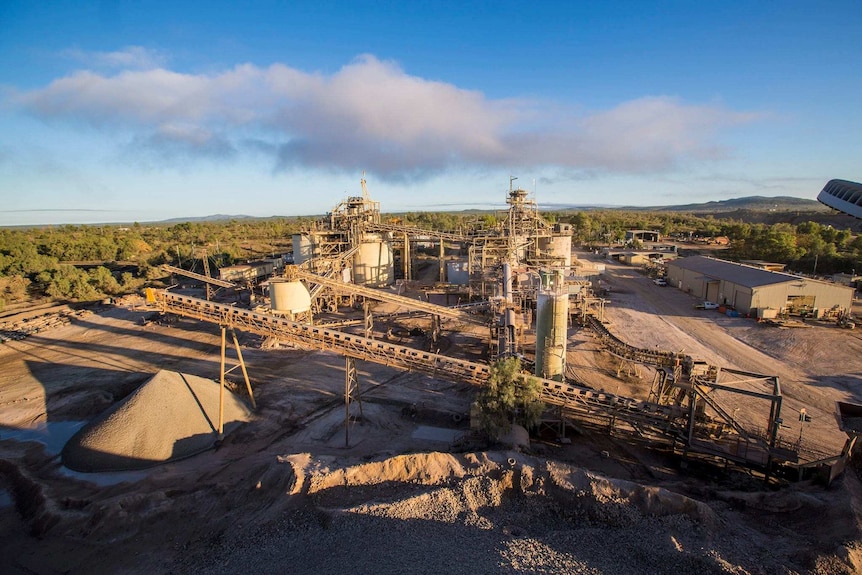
{"x":749,"y":288}
{"x":740,"y":274}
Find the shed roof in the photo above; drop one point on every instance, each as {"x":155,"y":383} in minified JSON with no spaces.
{"x":740,"y":274}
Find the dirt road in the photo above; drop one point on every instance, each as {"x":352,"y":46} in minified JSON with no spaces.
{"x":816,"y":365}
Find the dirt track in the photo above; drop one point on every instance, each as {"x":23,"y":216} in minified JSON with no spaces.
{"x":284,"y":493}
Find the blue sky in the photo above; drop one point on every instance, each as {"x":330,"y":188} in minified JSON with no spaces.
{"x":140,"y":111}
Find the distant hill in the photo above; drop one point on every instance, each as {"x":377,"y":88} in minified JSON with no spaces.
{"x":212,"y":218}
{"x":762,"y":210}
{"x":749,"y":203}
{"x":749,"y":209}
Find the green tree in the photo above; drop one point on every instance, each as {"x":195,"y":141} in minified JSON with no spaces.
{"x":13,"y":289}
{"x":510,"y":397}
{"x":104,"y":281}
{"x":68,"y":282}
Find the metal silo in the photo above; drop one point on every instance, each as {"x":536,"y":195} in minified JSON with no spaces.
{"x":289,"y":297}
{"x":373,"y":263}
{"x":303,"y":248}
{"x":552,"y":314}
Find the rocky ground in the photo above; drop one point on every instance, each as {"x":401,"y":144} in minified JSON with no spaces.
{"x":289,"y":492}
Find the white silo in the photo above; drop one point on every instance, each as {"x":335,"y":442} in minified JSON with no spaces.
{"x":373,"y":263}
{"x":289,"y":297}
{"x":303,"y":248}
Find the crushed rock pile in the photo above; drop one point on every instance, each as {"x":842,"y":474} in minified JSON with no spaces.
{"x":496,"y":512}
{"x":171,"y":416}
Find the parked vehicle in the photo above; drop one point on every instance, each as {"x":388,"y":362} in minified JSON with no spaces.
{"x":660,"y":282}
{"x":707,"y":305}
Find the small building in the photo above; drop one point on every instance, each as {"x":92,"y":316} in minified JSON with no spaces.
{"x":750,"y":289}
{"x":643,"y":235}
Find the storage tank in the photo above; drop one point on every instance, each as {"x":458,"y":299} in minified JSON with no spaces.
{"x":552,"y":315}
{"x":373,"y":263}
{"x":558,"y":247}
{"x":289,"y":297}
{"x":303,"y":248}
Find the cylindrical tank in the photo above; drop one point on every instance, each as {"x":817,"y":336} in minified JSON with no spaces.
{"x":552,"y":315}
{"x":289,"y":297}
{"x":558,"y":247}
{"x":373,"y":263}
{"x":458,"y":272}
{"x":561,"y":247}
{"x":507,"y":282}
{"x":303,"y":248}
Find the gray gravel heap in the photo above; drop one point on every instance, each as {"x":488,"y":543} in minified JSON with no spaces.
{"x":171,"y":416}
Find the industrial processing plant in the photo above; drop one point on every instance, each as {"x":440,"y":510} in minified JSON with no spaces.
{"x":388,"y":389}
{"x":521,"y":295}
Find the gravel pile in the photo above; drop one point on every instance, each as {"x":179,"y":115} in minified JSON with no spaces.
{"x":171,"y":416}
{"x":477,"y":514}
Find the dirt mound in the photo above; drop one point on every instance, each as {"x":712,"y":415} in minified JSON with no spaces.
{"x":487,"y":480}
{"x":490,"y":512}
{"x":170,"y":417}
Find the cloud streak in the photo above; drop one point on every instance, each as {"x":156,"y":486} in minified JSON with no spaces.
{"x":371,"y":115}
{"x":134,"y":57}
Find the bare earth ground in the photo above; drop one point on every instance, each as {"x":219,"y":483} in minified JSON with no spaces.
{"x":284,"y":495}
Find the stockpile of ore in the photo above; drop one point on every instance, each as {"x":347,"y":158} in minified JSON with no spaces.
{"x":170,"y":417}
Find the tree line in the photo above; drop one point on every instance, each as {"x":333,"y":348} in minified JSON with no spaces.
{"x":74,"y":262}
{"x":47,"y":261}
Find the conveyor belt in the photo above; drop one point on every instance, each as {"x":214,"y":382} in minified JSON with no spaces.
{"x":339,"y":286}
{"x":573,"y":399}
{"x":620,"y":348}
{"x":199,"y":277}
{"x":414,"y":231}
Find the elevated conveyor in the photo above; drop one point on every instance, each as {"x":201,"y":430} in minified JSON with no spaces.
{"x":418,"y":232}
{"x":339,"y":286}
{"x":642,"y":417}
{"x":670,"y":425}
{"x":199,"y":277}
{"x":621,"y":349}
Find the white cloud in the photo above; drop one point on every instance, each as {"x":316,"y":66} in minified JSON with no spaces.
{"x":372,"y":115}
{"x":134,"y":57}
